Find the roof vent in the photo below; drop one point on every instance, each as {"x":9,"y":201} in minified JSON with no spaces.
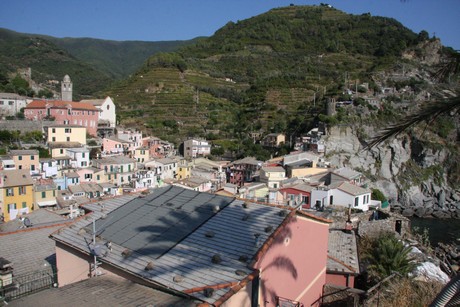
{"x":245,"y":205}
{"x":149,"y":266}
{"x":256,"y":237}
{"x":82,"y":231}
{"x":126,"y":253}
{"x":245,"y":217}
{"x":209,"y":234}
{"x":178,"y":278}
{"x":208,"y":292}
{"x":282,"y":213}
{"x":216,"y":259}
{"x":268,"y":229}
{"x":243,"y":258}
{"x":240,"y":273}
{"x":215,"y":208}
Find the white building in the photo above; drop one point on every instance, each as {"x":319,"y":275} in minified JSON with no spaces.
{"x":107,"y":116}
{"x":342,"y":194}
{"x":272,"y":176}
{"x":11,"y":104}
{"x":79,"y":157}
{"x":194,"y":148}
{"x":48,"y":167}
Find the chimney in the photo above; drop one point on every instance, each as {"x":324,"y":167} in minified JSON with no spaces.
{"x":348,"y":223}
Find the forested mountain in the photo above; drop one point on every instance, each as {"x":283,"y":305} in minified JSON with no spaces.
{"x":118,"y":59}
{"x":269,"y":73}
{"x":93,"y":64}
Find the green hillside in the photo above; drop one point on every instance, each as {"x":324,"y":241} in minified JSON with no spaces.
{"x":117,"y":59}
{"x":48,"y":62}
{"x":269,"y":73}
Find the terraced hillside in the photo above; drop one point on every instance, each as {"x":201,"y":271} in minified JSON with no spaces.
{"x":269,"y":73}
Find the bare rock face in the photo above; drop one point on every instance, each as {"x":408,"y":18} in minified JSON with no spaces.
{"x":385,"y":163}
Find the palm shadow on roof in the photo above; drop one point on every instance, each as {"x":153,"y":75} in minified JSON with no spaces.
{"x":207,"y":239}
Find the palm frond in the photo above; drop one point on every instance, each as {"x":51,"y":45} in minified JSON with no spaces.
{"x":449,"y":67}
{"x":428,"y":113}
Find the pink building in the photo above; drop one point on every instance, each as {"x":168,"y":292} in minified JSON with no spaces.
{"x":64,"y":112}
{"x":233,"y":253}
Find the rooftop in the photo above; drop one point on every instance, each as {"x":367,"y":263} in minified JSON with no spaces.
{"x":20,"y":152}
{"x":342,"y":252}
{"x":192,"y":243}
{"x":352,"y":189}
{"x":347,"y":173}
{"x":107,"y":290}
{"x":41,"y":104}
{"x":14,"y":178}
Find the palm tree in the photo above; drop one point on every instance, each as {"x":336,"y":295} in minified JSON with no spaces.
{"x":387,"y":256}
{"x":430,"y":111}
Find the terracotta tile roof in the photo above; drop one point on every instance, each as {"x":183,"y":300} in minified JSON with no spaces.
{"x":59,"y":104}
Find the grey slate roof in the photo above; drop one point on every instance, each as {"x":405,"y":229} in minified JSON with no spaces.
{"x":29,"y":250}
{"x":102,"y":291}
{"x":171,"y":228}
{"x":342,"y":252}
{"x":352,"y":189}
{"x":154,"y":224}
{"x":38,"y":218}
{"x":347,"y":173}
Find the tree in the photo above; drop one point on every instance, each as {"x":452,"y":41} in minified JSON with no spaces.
{"x":431,"y":111}
{"x":388,"y":255}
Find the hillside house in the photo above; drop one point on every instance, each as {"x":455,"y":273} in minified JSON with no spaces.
{"x":272,"y":176}
{"x":16,"y":193}
{"x":164,"y":168}
{"x":255,"y":191}
{"x":194,"y":148}
{"x":244,"y":170}
{"x":141,"y":155}
{"x":91,"y":174}
{"x":119,"y":170}
{"x":67,"y":179}
{"x":198,"y":262}
{"x":274,"y":140}
{"x":48,"y":167}
{"x":7,"y":163}
{"x":347,"y":174}
{"x":114,"y":146}
{"x":107,"y":111}
{"x":302,"y":164}
{"x":64,"y":113}
{"x":195,"y":183}
{"x":26,"y":159}
{"x":56,"y":133}
{"x":79,"y":157}
{"x":342,"y":194}
{"x":297,"y":194}
{"x":157,"y":147}
{"x":44,"y":194}
{"x":11,"y":104}
{"x":133,"y":137}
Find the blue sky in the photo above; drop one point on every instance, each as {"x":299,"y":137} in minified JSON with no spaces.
{"x":156,"y":20}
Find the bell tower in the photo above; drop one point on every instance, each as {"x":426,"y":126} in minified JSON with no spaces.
{"x":66,"y":89}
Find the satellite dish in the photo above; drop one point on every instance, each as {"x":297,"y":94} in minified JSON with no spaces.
{"x":27,"y":222}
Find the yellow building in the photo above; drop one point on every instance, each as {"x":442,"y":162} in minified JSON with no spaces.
{"x":44,"y":193}
{"x":141,"y":155}
{"x":16,"y":193}
{"x":184,"y":169}
{"x":65,"y":133}
{"x":26,"y":159}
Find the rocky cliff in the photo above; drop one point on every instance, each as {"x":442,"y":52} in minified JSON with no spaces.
{"x":418,"y":176}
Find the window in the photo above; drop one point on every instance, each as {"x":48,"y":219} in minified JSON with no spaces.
{"x":32,"y":167}
{"x":88,"y":176}
{"x":22,"y":190}
{"x":53,"y":139}
{"x":44,"y":194}
{"x":108,"y":107}
{"x":24,"y":204}
{"x":61,"y":151}
{"x":53,"y":130}
{"x":10,"y":192}
{"x":32,"y":157}
{"x":68,"y":130}
{"x":20,"y":167}
{"x":19,"y":158}
{"x":68,"y":139}
{"x":10,"y":103}
{"x":98,"y":177}
{"x":82,"y":154}
{"x":356,"y":201}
